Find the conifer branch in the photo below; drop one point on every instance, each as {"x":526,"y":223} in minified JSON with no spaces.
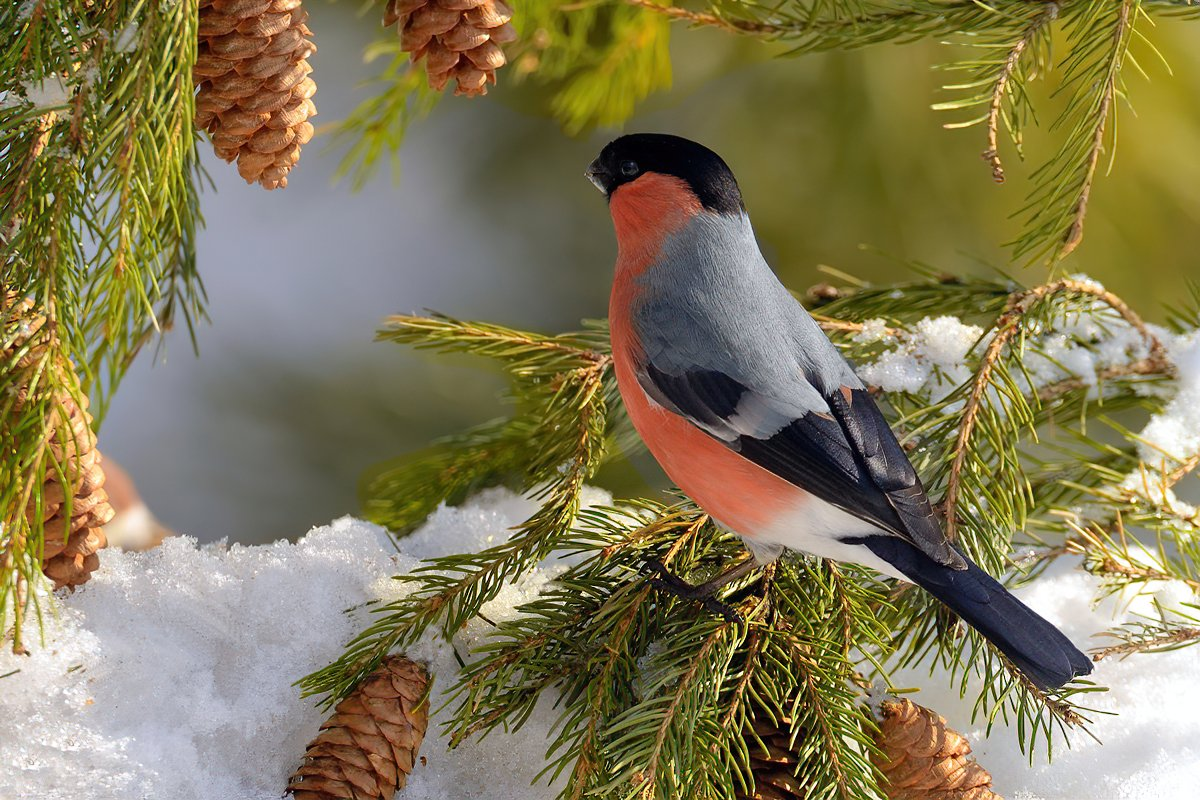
{"x":1100,"y":34}
{"x":702,"y":19}
{"x":672,"y":716}
{"x":1185,"y":468}
{"x":1002,"y":88}
{"x":98,"y":207}
{"x":378,"y":125}
{"x":1141,"y":368}
{"x":1006,"y":327}
{"x":630,"y":663}
{"x":563,"y":382}
{"x":831,"y":325}
{"x":1147,"y":638}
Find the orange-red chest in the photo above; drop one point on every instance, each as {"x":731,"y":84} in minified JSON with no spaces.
{"x":736,"y":492}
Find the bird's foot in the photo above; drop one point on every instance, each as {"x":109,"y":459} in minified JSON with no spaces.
{"x":672,"y":584}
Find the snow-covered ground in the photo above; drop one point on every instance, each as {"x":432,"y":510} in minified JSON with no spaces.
{"x":170,"y":676}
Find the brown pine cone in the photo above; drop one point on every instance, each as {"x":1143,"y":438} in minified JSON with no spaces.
{"x":925,"y":759}
{"x":458,"y":39}
{"x":255,"y":93}
{"x":367,"y":748}
{"x":773,"y":763}
{"x":72,"y":531}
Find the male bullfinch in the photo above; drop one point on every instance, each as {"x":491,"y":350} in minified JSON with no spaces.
{"x":755,"y":414}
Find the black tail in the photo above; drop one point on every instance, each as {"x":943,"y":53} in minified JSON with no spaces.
{"x":1038,"y":648}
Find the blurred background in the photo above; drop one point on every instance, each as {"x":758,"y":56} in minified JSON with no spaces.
{"x":840,"y":159}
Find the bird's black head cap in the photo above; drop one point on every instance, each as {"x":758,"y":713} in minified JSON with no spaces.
{"x":626,"y":159}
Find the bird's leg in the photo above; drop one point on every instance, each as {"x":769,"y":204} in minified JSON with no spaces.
{"x":673,"y":584}
{"x":677,"y":586}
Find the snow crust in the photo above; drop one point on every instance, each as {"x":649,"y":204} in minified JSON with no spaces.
{"x":170,"y":675}
{"x":49,"y":92}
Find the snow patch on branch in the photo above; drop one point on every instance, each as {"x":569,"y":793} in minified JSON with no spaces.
{"x":48,"y":93}
{"x":931,"y":359}
{"x":1174,"y":434}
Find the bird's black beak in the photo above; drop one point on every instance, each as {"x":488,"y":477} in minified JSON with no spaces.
{"x":600,"y":177}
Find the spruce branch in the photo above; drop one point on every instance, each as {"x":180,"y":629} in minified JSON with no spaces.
{"x":704,"y":19}
{"x":402,"y":492}
{"x":1123,"y":561}
{"x":1170,"y":630}
{"x":1143,"y":367}
{"x":526,"y":354}
{"x":377,"y":126}
{"x":1004,"y":86}
{"x":1099,"y":35}
{"x":98,"y":208}
{"x":1006,"y":327}
{"x":558,"y":442}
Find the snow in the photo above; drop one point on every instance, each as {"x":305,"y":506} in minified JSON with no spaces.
{"x":1174,"y":434}
{"x":126,"y":39}
{"x":932,"y":358}
{"x":170,"y":675}
{"x":873,"y":330}
{"x":50,"y":92}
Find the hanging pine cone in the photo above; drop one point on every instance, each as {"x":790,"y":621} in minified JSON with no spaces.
{"x":255,"y":93}
{"x":72,"y":531}
{"x":367,"y":748}
{"x":458,"y":39}
{"x":773,"y":763}
{"x":925,"y":759}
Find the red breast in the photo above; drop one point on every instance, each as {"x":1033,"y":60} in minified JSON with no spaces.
{"x":735,"y":491}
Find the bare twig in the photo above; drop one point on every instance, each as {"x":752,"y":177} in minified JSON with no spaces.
{"x":1143,"y":366}
{"x":846,"y":326}
{"x":1182,"y":471}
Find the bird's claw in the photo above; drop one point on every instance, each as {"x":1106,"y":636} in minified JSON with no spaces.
{"x":666,"y":581}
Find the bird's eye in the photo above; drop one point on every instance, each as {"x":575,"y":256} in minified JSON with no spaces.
{"x":629,"y":168}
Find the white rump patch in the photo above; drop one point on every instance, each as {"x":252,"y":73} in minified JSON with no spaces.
{"x":816,"y":527}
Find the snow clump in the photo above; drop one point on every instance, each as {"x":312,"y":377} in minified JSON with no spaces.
{"x":932,"y":358}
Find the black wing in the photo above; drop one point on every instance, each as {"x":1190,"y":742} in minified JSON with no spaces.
{"x":847,"y":456}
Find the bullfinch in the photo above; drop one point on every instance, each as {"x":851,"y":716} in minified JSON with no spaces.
{"x":754,"y":413}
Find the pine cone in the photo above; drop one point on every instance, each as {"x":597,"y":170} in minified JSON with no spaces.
{"x":71,"y":542}
{"x":255,"y":93}
{"x":458,"y":39}
{"x":774,"y":767}
{"x":924,"y":759}
{"x":366,"y":750}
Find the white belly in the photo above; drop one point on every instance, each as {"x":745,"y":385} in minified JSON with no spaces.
{"x":815,"y":527}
